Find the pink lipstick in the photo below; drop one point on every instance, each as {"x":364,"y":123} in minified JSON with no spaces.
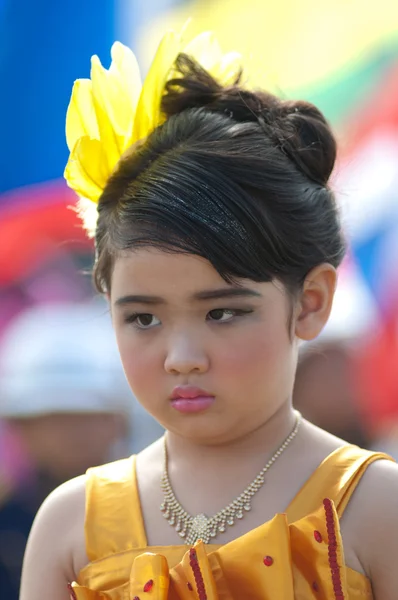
{"x":191,"y":399}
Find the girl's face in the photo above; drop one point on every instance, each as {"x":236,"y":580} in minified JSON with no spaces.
{"x":180,"y":326}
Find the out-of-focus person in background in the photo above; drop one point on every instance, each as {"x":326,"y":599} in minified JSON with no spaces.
{"x":326,"y":387}
{"x":65,"y":406}
{"x":347,"y":379}
{"x":325,"y":393}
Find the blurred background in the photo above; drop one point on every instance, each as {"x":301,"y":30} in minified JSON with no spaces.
{"x":64,"y":404}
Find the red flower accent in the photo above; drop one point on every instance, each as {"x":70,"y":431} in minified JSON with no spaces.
{"x":318,"y":536}
{"x":148,"y":586}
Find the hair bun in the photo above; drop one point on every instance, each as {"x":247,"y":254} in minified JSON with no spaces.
{"x":297,"y":127}
{"x":307,"y":138}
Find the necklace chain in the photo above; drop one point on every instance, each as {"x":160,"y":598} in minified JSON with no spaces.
{"x":193,"y":528}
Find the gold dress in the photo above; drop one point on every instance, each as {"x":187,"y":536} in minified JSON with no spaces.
{"x":295,"y":556}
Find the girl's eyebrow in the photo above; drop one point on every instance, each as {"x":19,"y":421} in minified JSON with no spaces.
{"x":139,"y":299}
{"x":228,"y":292}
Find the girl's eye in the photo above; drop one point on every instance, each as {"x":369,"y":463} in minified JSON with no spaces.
{"x":143,"y":320}
{"x":225,"y":314}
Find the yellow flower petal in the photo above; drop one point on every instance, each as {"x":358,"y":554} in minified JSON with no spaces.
{"x":125,"y":67}
{"x":205,"y":49}
{"x":228,"y":68}
{"x":80,"y":117}
{"x":110,"y":111}
{"x":148,"y":115}
{"x":86,"y":171}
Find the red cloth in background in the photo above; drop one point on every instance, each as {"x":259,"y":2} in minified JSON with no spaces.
{"x":36,"y":222}
{"x":376,"y":377}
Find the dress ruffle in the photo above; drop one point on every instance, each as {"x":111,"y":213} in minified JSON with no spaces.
{"x":303,"y":560}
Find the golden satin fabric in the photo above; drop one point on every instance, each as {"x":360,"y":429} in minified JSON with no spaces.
{"x":295,"y":556}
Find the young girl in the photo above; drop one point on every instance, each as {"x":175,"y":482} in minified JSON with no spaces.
{"x":218,"y":240}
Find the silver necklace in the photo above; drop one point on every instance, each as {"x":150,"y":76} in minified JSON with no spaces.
{"x":193,"y":528}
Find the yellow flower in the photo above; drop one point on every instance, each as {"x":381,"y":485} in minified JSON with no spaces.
{"x":99,"y":121}
{"x":112,"y":110}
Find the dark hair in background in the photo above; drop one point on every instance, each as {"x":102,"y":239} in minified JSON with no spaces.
{"x":237,"y":177}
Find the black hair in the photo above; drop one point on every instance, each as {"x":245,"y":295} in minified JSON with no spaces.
{"x":237,"y":177}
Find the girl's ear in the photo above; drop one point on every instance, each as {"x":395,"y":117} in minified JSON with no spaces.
{"x":315,"y":302}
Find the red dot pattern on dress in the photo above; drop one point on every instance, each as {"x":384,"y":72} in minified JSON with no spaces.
{"x":315,"y":586}
{"x":268,"y":561}
{"x":332,"y":550}
{"x":189,"y":586}
{"x":318,"y":536}
{"x":136,"y":598}
{"x":71,"y":592}
{"x":200,"y":586}
{"x":148,"y":586}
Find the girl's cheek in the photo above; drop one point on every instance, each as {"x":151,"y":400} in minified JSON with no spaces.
{"x":142,"y":367}
{"x":258,"y":346}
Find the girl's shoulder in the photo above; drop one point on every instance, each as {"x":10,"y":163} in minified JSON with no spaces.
{"x":370,"y":525}
{"x":65,"y":536}
{"x":56,"y":541}
{"x":366,"y":485}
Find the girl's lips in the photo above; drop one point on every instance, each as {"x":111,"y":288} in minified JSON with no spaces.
{"x":191,"y":399}
{"x":189,"y":392}
{"x":192,"y":405}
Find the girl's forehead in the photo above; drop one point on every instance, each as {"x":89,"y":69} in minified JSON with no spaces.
{"x":151,"y":266}
{"x":170,"y":276}
{"x":158,"y":276}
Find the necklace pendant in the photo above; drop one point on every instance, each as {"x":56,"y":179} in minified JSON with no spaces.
{"x":200,"y":528}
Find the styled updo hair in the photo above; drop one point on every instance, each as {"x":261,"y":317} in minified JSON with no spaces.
{"x":237,"y":177}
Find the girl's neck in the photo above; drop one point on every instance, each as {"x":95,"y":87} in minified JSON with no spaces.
{"x":256,"y":446}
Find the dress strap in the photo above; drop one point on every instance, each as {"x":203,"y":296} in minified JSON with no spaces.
{"x":114,"y":520}
{"x":336,"y":478}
